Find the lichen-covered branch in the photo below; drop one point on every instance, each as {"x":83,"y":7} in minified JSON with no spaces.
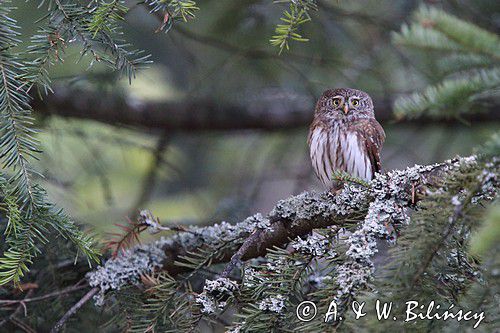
{"x":290,"y":218}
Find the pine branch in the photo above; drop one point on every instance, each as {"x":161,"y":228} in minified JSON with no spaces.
{"x":17,"y":144}
{"x":130,"y":236}
{"x":464,"y":63}
{"x":429,"y":261}
{"x":178,"y":116}
{"x":172,"y":11}
{"x":24,"y":239}
{"x":168,"y":307}
{"x":437,"y":30}
{"x":482,"y":294}
{"x":30,"y":215}
{"x":469,"y":36}
{"x":291,"y":218}
{"x":105,"y":15}
{"x":236,"y":258}
{"x":364,"y":211}
{"x":47,"y":47}
{"x":271,"y":290}
{"x":95,"y":27}
{"x":471,"y":66}
{"x":343,"y":177}
{"x":292,"y":19}
{"x":449,"y":99}
{"x":16,"y":147}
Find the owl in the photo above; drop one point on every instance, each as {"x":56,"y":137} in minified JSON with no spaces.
{"x":345,"y":136}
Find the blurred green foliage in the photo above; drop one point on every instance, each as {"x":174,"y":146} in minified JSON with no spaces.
{"x":213,"y":176}
{"x":488,"y":236}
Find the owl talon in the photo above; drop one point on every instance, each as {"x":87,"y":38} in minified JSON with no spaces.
{"x":335,"y":191}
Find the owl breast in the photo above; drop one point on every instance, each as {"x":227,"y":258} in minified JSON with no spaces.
{"x":333,"y":149}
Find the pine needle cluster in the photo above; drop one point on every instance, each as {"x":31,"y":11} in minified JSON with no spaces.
{"x":293,"y":18}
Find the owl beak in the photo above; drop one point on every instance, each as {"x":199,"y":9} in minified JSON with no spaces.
{"x":346,"y":108}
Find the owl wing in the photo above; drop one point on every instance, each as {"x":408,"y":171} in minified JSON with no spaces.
{"x":371,"y":138}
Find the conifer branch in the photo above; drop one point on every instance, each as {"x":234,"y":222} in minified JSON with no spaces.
{"x":242,"y":251}
{"x":30,"y":215}
{"x":293,"y":18}
{"x":471,"y":66}
{"x":172,"y":11}
{"x":58,"y":293}
{"x":291,"y":218}
{"x":270,"y":290}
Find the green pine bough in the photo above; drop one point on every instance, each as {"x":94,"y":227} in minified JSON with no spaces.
{"x":468,"y":59}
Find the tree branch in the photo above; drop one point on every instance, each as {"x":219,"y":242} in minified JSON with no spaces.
{"x":242,"y":251}
{"x":20,"y":307}
{"x":57,"y":327}
{"x":291,"y":218}
{"x":44,"y":297}
{"x":278,"y":111}
{"x":150,"y":180}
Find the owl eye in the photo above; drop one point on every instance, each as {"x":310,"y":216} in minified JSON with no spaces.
{"x":336,"y":101}
{"x":355,"y":102}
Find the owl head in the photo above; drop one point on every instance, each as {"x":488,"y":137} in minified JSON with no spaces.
{"x":345,"y":104}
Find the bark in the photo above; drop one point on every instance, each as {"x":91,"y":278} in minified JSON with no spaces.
{"x":279,"y":111}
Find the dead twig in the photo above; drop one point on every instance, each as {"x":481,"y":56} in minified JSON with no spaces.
{"x":43,"y":297}
{"x":57,"y":327}
{"x":20,"y":307}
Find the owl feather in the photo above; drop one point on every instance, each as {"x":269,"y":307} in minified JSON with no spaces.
{"x":345,"y":136}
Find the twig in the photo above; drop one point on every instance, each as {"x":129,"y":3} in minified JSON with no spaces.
{"x":57,"y":327}
{"x":147,"y":220}
{"x":236,"y":258}
{"x":20,"y":307}
{"x":150,"y":179}
{"x":457,"y":213}
{"x":43,"y":297}
{"x":25,"y":327}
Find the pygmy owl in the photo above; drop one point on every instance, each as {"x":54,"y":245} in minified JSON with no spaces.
{"x":345,"y":136}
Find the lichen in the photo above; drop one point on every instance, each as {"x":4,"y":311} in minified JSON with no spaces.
{"x":144,"y":259}
{"x":350,"y":276}
{"x":214,"y":295}
{"x":250,"y":277}
{"x":314,"y":244}
{"x":126,"y":269}
{"x":220,"y":286}
{"x":489,"y":181}
{"x":273,"y":304}
{"x":385,"y":213}
{"x":303,"y":206}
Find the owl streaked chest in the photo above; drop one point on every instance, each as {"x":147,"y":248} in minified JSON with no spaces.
{"x":335,"y":148}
